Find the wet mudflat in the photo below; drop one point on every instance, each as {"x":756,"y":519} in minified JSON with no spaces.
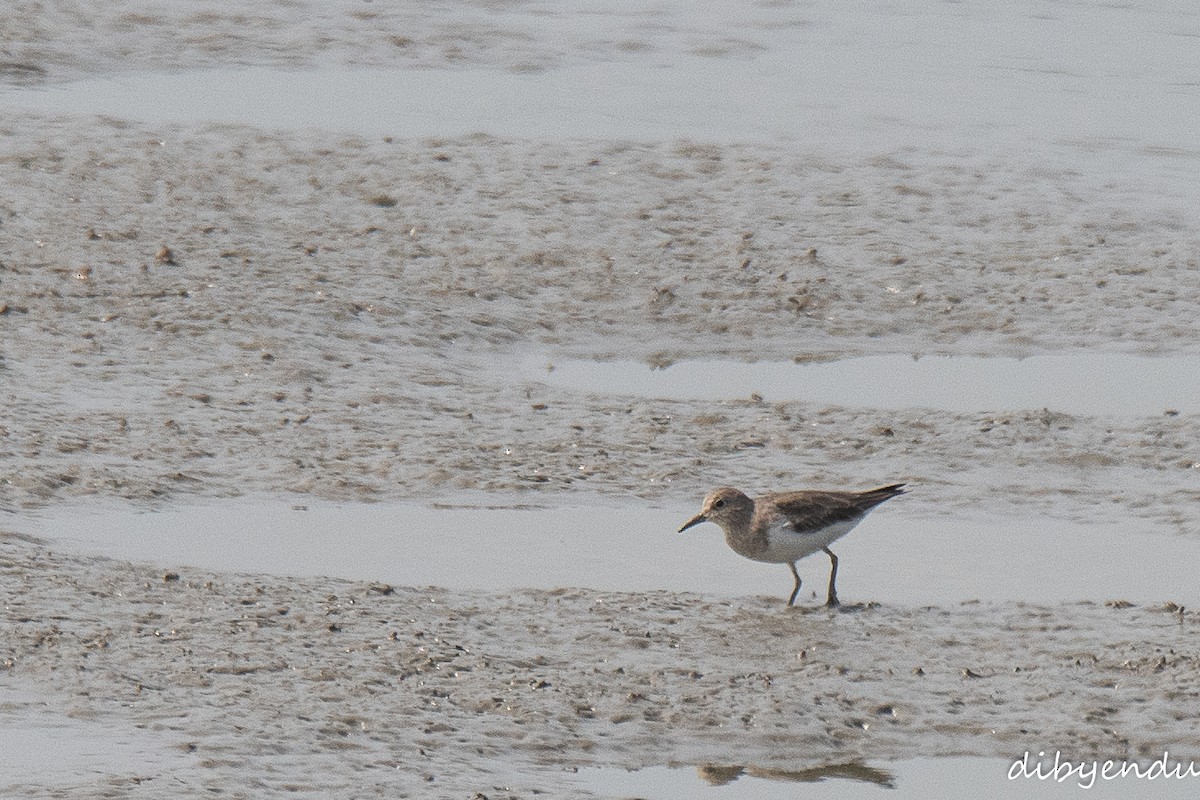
{"x":311,"y":686}
{"x":171,"y":334}
{"x":209,"y":318}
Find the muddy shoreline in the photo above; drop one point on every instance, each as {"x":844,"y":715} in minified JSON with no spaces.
{"x":421,"y":690}
{"x":167,"y":334}
{"x":211,"y":311}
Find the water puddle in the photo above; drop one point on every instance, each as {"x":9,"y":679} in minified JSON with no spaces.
{"x":738,"y":782}
{"x":41,"y":748}
{"x":892,"y":557}
{"x":919,"y":779}
{"x":1073,"y":383}
{"x":691,"y":96}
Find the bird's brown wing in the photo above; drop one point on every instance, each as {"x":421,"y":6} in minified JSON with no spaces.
{"x":810,"y":510}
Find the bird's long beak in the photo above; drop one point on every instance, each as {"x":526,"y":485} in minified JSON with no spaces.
{"x":696,"y":520}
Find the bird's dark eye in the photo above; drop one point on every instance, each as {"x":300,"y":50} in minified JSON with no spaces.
{"x":719,"y":504}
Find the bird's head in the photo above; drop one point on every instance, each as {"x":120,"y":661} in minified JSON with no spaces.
{"x":722,"y":506}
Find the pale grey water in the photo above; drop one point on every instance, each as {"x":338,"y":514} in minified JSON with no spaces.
{"x":918,"y":779}
{"x":41,"y":746}
{"x":1073,"y":383}
{"x":1105,"y":89}
{"x":893,"y":556}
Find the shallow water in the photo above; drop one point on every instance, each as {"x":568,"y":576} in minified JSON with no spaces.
{"x":42,"y":748}
{"x":1076,"y":85}
{"x":1072,"y":383}
{"x":892,"y":557}
{"x":925,"y":778}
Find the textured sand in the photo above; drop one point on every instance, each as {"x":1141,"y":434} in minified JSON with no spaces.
{"x":338,"y":316}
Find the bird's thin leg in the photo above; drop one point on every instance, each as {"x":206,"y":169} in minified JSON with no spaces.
{"x":795,"y":591}
{"x":832,"y":600}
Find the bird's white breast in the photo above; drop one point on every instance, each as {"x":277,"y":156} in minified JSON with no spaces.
{"x":785,"y":544}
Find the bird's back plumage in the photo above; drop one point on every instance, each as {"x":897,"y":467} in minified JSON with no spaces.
{"x":811,"y":510}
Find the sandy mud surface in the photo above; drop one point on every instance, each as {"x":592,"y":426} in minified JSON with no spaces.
{"x":223,"y":310}
{"x":217,"y":310}
{"x":76,"y":38}
{"x":328,"y":688}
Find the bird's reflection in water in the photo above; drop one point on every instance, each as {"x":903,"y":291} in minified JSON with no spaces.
{"x":715,"y":775}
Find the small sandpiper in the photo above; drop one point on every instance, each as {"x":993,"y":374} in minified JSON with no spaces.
{"x":784,"y":527}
